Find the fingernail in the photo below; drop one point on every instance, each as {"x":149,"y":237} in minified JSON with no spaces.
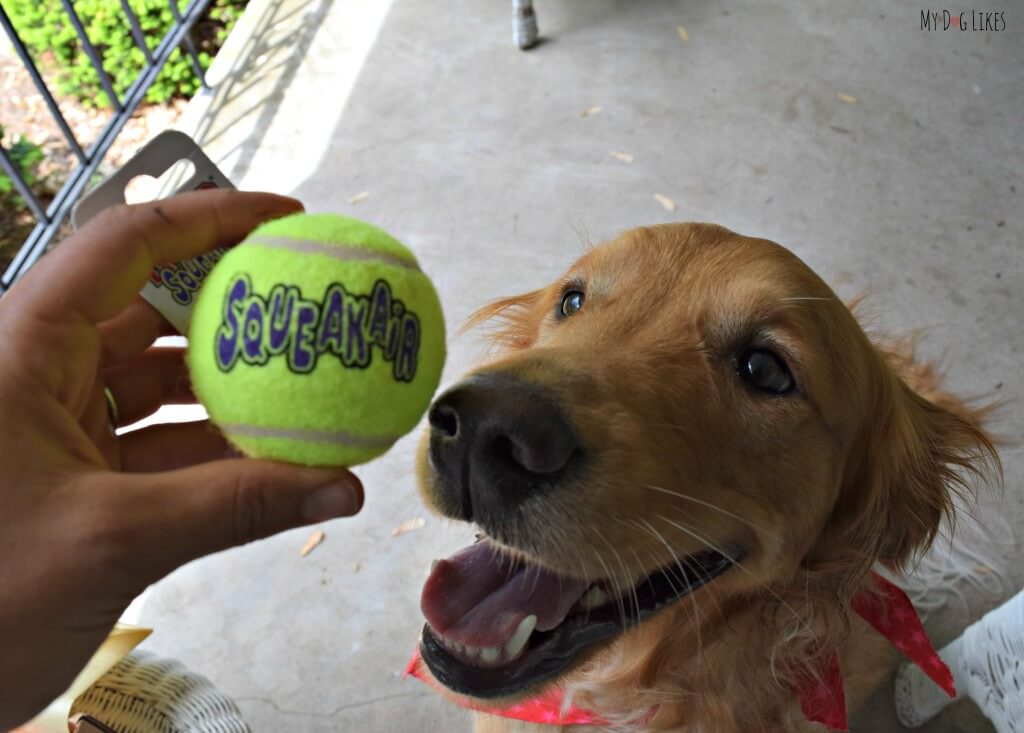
{"x":330,"y":502}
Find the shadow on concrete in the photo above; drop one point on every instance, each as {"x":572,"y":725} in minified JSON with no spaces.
{"x":480,"y":157}
{"x":260,"y":72}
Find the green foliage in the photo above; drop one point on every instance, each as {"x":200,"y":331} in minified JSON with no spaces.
{"x":26,"y":156}
{"x":16,"y":220}
{"x":44,"y":27}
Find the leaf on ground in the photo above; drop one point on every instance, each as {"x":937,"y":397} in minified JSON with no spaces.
{"x":314,"y":539}
{"x":683,"y":35}
{"x":361,"y":196}
{"x":590,"y":111}
{"x":848,"y":98}
{"x":409,"y":525}
{"x":666,"y":203}
{"x":356,"y":567}
{"x":619,"y":155}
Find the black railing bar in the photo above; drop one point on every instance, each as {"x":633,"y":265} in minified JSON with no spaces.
{"x":37,"y":79}
{"x":173,"y":38}
{"x":14,"y":173}
{"x":94,"y":57}
{"x":137,"y":34}
{"x":44,"y":232}
{"x":190,"y":48}
{"x":146,"y":78}
{"x":164,"y":49}
{"x":29,"y":245}
{"x":72,"y":189}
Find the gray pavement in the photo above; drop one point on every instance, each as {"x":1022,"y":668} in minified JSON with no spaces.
{"x":890,"y":158}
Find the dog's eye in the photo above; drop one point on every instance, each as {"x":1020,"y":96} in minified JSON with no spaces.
{"x":765,"y":371}
{"x":572,"y":301}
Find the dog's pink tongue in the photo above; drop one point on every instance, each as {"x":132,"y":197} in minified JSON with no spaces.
{"x":478,"y":596}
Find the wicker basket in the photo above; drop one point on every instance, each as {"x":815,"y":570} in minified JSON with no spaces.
{"x":144,"y":693}
{"x":987,"y":662}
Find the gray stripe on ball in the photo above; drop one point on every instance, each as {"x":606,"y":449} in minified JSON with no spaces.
{"x":309,"y":435}
{"x":341,"y":251}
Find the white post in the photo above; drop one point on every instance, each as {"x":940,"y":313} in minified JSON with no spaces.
{"x":524,"y":23}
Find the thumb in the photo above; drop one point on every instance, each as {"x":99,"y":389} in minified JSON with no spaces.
{"x":213,"y":506}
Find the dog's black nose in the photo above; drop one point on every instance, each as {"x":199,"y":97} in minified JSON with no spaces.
{"x":495,"y":440}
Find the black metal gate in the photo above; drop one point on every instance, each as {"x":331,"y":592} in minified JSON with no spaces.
{"x":49,"y":219}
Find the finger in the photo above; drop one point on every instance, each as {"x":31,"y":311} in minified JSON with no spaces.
{"x":140,"y":386}
{"x":132,"y":331}
{"x":171,"y":446}
{"x":99,"y":270}
{"x":213,"y":506}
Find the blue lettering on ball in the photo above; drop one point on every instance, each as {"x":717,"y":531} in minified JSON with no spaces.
{"x":282,"y":302}
{"x":381,"y":304}
{"x":252,"y":333}
{"x":331,"y":335}
{"x":356,"y":352}
{"x":405,"y":364}
{"x":303,"y":358}
{"x":350,"y":327}
{"x":228,"y":334}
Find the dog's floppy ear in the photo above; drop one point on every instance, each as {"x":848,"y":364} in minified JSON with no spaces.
{"x":916,"y":455}
{"x":516,"y":319}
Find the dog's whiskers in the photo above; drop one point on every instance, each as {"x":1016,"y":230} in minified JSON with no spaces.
{"x":802,"y":621}
{"x":684,"y":566}
{"x":679,"y":563}
{"x":616,"y":583}
{"x":693,"y":533}
{"x":615,"y":587}
{"x":709,"y":505}
{"x":632,"y":588}
{"x":627,"y":577}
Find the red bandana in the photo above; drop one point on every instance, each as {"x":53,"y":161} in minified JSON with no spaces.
{"x":544,"y":708}
{"x":823,"y":701}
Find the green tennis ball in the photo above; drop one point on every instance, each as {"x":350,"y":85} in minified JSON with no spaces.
{"x":317,"y":340}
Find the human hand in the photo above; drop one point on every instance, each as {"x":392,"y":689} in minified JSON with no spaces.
{"x":89,"y":519}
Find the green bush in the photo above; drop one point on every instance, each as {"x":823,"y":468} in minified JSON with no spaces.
{"x":16,"y":221}
{"x":26,"y":157}
{"x":44,"y":27}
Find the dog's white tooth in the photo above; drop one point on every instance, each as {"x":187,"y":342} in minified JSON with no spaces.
{"x":593,"y":598}
{"x":471,"y":651}
{"x":490,"y":654}
{"x":515,"y":645}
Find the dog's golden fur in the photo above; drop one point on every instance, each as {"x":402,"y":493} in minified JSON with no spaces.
{"x":857,"y":469}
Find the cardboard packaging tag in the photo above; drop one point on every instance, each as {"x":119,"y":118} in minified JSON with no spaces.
{"x":171,"y":288}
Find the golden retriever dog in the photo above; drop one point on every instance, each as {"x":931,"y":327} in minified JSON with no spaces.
{"x":684,"y":462}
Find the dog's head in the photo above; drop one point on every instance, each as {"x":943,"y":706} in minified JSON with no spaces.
{"x":684,"y":407}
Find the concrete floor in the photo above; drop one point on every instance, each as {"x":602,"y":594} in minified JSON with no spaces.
{"x":479,"y":157}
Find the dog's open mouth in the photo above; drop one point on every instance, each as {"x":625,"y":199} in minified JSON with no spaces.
{"x":496,"y":626}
